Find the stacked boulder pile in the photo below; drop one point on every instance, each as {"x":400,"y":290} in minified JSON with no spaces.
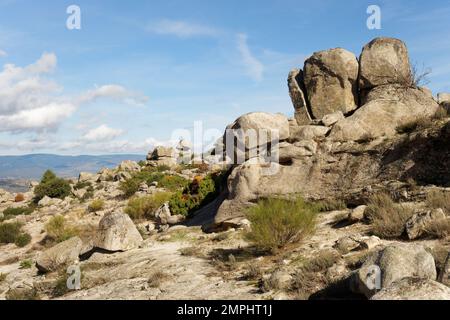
{"x":345,"y":132}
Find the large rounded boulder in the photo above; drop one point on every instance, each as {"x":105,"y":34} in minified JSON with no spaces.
{"x":117,"y":232}
{"x":384,"y":61}
{"x":331,"y":82}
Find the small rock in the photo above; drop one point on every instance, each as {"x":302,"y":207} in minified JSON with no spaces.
{"x":416,"y":226}
{"x":357,"y":214}
{"x":369,"y":243}
{"x":332,"y":118}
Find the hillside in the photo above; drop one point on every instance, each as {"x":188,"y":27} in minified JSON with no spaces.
{"x":34,"y":165}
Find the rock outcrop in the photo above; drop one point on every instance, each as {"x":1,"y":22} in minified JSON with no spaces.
{"x":330,"y":79}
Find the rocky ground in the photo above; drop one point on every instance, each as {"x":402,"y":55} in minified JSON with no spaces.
{"x":367,"y":144}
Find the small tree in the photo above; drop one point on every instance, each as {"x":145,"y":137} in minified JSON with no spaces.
{"x":52,"y":186}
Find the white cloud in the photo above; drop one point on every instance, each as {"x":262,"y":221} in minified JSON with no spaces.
{"x":3,"y":53}
{"x":28,"y":101}
{"x":102,"y":133}
{"x":254,"y":68}
{"x":181,"y":29}
{"x":115,"y":92}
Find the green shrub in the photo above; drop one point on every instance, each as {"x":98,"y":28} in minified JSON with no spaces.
{"x":22,"y":240}
{"x":129,"y":187}
{"x":277,"y":222}
{"x":52,"y":186}
{"x":12,"y":212}
{"x":162,"y":168}
{"x":26,"y":264}
{"x":82,"y":185}
{"x":145,"y":207}
{"x":172,"y":183}
{"x":58,"y":230}
{"x":198,"y":194}
{"x":12,"y":233}
{"x":96,"y":205}
{"x":387,"y":217}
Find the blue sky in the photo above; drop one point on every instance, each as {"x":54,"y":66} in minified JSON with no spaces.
{"x":138,"y":70}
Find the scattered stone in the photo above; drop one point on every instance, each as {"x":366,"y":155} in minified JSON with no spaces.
{"x":416,"y":226}
{"x":395,"y":262}
{"x":63,"y":254}
{"x":117,"y":232}
{"x":357,"y":214}
{"x":414,"y":288}
{"x":129,"y":166}
{"x":86,"y":177}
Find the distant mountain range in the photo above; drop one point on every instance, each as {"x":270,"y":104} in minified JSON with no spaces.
{"x":31,"y":167}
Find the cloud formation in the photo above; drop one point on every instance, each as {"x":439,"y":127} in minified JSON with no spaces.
{"x":254,"y":68}
{"x":181,"y":29}
{"x":102,"y":133}
{"x":29,"y":101}
{"x":3,"y":53}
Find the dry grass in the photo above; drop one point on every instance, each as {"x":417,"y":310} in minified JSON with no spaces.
{"x":305,"y":283}
{"x":387,"y":217}
{"x":22,"y":294}
{"x":415,"y":125}
{"x":157,"y":278}
{"x":438,"y":229}
{"x":3,"y":277}
{"x":253,"y":272}
{"x":438,"y":199}
{"x":321,"y":261}
{"x":58,"y":230}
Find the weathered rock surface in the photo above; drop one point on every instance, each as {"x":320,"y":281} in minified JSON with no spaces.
{"x":307,"y":133}
{"x":129,"y":166}
{"x":332,"y":118}
{"x":384,"y":61}
{"x":417,"y":225}
{"x":330,"y":79}
{"x":391,"y":106}
{"x":63,"y":254}
{"x":264,"y":121}
{"x":117,"y":232}
{"x":357,"y":214}
{"x":414,"y":288}
{"x":297,"y":93}
{"x":395,"y":262}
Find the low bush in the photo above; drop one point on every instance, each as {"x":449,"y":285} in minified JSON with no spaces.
{"x":387,"y":217}
{"x":145,"y":207}
{"x":81,"y":185}
{"x":26,"y":264}
{"x":198,"y":194}
{"x":438,"y":229}
{"x":96,"y":205}
{"x":12,"y":212}
{"x":58,"y":230}
{"x":330,"y":205}
{"x":278,"y":222}
{"x":52,"y":186}
{"x":12,"y":233}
